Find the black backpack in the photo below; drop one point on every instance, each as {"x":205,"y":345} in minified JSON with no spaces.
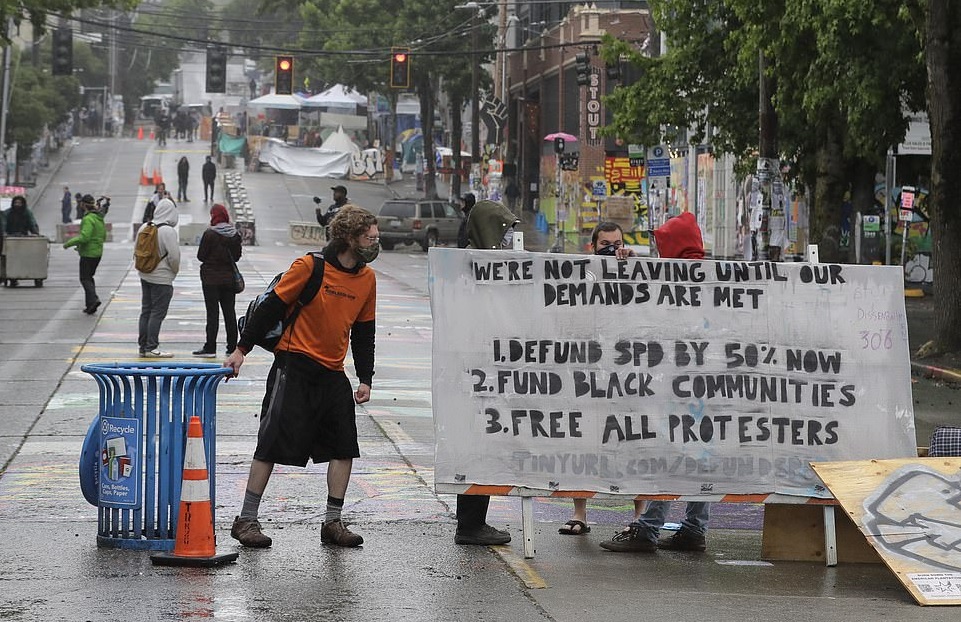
{"x":270,"y":340}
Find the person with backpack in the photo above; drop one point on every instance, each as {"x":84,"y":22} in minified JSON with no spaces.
{"x":157,"y":259}
{"x":219,"y":250}
{"x":93,"y":233}
{"x":308,"y":406}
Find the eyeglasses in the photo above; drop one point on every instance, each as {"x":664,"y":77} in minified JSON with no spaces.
{"x":605,"y":243}
{"x":371,"y":239}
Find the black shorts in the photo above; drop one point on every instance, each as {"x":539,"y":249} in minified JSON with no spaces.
{"x":315,"y":418}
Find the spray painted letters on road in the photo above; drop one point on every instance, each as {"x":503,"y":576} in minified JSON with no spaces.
{"x":648,"y":376}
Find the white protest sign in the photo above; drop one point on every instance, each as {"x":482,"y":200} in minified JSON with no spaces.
{"x":647,"y":376}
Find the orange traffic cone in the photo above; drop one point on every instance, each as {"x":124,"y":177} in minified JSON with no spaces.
{"x":194,"y":543}
{"x":140,"y":133}
{"x":151,"y":135}
{"x":157,"y":177}
{"x":144,"y":181}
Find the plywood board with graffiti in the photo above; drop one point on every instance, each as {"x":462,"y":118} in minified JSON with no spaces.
{"x":910,"y":512}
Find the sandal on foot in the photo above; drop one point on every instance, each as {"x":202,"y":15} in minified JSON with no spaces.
{"x":574,"y":528}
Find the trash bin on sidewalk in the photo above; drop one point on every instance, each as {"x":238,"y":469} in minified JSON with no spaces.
{"x":135,"y":449}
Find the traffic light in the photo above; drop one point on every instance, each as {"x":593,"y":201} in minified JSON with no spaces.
{"x":216,"y":69}
{"x":400,"y":68}
{"x":583,"y":68}
{"x":62,"y":52}
{"x":284,"y":75}
{"x":613,"y":70}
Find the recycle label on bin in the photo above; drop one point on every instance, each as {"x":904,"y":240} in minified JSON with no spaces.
{"x":119,"y":462}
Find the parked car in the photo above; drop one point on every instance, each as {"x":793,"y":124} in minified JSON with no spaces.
{"x":426,"y":222}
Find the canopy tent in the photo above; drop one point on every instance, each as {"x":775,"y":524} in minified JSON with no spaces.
{"x":337,"y":96}
{"x":282,"y":102}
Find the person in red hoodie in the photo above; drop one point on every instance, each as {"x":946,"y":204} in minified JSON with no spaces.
{"x":678,"y":238}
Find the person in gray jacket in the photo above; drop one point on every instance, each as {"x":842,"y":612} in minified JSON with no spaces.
{"x":157,"y":287}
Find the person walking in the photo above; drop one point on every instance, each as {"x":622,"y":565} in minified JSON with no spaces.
{"x":219,"y":250}
{"x":489,"y":224}
{"x":469,"y":201}
{"x":308,"y":408}
{"x":89,"y":244}
{"x":208,"y":172}
{"x":66,"y":206}
{"x":183,"y":173}
{"x":157,"y":287}
{"x":678,"y":238}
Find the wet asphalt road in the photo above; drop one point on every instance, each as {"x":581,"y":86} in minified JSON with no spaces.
{"x":409,"y":568}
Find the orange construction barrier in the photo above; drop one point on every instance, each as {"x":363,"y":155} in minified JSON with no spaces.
{"x":157,"y":177}
{"x":194,"y":543}
{"x":140,"y":133}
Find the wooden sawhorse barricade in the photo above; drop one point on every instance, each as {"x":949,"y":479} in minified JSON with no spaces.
{"x":795,"y":528}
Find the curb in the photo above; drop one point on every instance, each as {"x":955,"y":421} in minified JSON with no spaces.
{"x":939,"y":373}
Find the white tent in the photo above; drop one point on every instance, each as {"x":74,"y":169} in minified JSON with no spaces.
{"x":339,"y":141}
{"x":282,"y":102}
{"x":337,"y":96}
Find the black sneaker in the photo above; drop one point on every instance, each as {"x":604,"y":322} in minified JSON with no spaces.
{"x":684,"y":540}
{"x":205,"y":353}
{"x":630,"y":541}
{"x":247,"y":531}
{"x":484,"y":535}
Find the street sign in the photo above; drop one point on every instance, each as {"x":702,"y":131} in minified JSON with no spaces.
{"x":599,"y":189}
{"x":658,"y":162}
{"x":907,"y":203}
{"x":635,"y":155}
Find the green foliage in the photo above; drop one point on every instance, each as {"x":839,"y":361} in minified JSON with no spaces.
{"x":36,"y":11}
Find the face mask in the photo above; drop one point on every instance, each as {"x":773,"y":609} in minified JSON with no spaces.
{"x":608,"y":251}
{"x":368,"y":254}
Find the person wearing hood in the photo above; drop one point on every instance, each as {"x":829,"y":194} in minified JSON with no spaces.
{"x":20,"y":220}
{"x":220,"y":249}
{"x":89,"y":244}
{"x":490,"y":225}
{"x":315,"y":418}
{"x":678,"y":238}
{"x":157,"y":287}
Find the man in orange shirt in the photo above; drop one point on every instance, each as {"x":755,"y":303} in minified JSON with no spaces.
{"x":308,"y":408}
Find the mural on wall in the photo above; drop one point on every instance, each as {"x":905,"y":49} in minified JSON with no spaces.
{"x":626,"y":180}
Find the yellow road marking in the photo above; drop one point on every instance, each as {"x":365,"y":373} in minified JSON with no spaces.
{"x":524,"y":571}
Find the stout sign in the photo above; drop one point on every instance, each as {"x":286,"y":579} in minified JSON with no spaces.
{"x":648,"y":376}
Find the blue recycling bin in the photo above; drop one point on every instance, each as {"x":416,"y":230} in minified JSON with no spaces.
{"x":131,"y":464}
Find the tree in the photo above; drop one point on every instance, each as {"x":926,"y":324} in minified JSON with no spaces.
{"x":840,"y":72}
{"x":36,"y":11}
{"x":942,"y":44}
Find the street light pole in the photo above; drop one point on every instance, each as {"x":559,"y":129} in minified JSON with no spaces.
{"x":474,"y":88}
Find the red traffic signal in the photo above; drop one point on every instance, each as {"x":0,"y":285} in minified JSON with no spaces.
{"x":400,"y":68}
{"x":284,"y":75}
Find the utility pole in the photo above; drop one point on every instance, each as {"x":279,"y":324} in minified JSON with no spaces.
{"x":767,"y":155}
{"x":474,"y":88}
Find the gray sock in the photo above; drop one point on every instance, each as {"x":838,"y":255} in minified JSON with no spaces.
{"x":251,"y":505}
{"x":334,"y":508}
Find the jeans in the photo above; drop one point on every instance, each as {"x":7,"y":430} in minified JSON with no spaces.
{"x":224,"y":296}
{"x":154,"y":301}
{"x":88,"y":267}
{"x":695,"y":520}
{"x":65,"y":213}
{"x":209,"y":184}
{"x":181,"y":188}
